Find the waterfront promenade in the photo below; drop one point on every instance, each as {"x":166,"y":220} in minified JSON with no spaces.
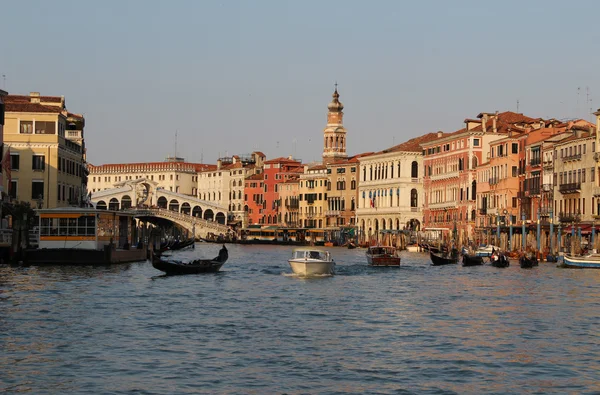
{"x":255,"y":328}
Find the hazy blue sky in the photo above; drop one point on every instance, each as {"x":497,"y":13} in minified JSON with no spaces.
{"x":236,"y":76}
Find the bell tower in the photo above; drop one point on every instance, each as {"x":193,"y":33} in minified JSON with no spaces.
{"x":334,"y":144}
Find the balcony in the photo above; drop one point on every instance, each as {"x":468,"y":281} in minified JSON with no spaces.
{"x":535,"y":162}
{"x":444,"y":176}
{"x":493,"y":180}
{"x":332,"y":213}
{"x":574,"y":187}
{"x":548,"y":165}
{"x":569,"y":217}
{"x":443,"y":205}
{"x":571,"y":158}
{"x":74,"y":134}
{"x":483,"y":211}
{"x":533,"y":191}
{"x":596,"y":191}
{"x":492,"y":211}
{"x":522,"y":195}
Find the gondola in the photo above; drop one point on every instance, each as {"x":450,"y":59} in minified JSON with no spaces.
{"x":193,"y":267}
{"x":351,"y":246}
{"x":438,"y":260}
{"x":527,"y":263}
{"x":472,"y":260}
{"x":176,"y":245}
{"x":499,"y":260}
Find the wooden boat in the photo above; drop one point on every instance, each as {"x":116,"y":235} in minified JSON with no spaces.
{"x":499,"y":260}
{"x":438,"y":259}
{"x":486,"y":250}
{"x":472,"y":260}
{"x":383,"y":256}
{"x":351,"y":246}
{"x":591,"y":261}
{"x":177,"y":245}
{"x":527,"y":263}
{"x":311,"y":262}
{"x":193,"y":267}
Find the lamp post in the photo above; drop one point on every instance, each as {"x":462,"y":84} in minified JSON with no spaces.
{"x":510,"y":232}
{"x":498,"y":231}
{"x":551,"y":232}
{"x":539,"y":239}
{"x":523,"y":236}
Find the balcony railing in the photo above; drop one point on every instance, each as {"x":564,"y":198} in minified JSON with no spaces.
{"x":569,"y":217}
{"x":443,"y":176}
{"x":574,"y":187}
{"x":493,"y":180}
{"x":548,"y":164}
{"x":483,"y":211}
{"x":533,"y":191}
{"x":437,"y":206}
{"x":535,"y":162}
{"x":571,"y":157}
{"x":332,"y":213}
{"x":73,"y":134}
{"x":522,"y":195}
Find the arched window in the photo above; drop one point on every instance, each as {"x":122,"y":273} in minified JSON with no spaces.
{"x":414,"y":171}
{"x":474,"y":190}
{"x":414,"y":197}
{"x":474,"y":162}
{"x":353,"y":184}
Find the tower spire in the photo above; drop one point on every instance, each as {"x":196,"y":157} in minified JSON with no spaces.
{"x":334,"y":145}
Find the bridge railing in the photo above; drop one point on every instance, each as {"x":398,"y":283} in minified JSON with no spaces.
{"x":181,"y":217}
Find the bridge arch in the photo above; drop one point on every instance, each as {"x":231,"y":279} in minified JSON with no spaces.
{"x":220,"y":218}
{"x":208,"y":215}
{"x":185,"y":208}
{"x":197,"y":212}
{"x":126,"y":202}
{"x":174,"y":205}
{"x":101,"y":205}
{"x":113,"y":204}
{"x":162,"y":202}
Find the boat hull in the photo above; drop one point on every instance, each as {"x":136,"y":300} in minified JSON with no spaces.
{"x":527,"y":263}
{"x":312,"y":268}
{"x":437,"y":260}
{"x":172,"y":268}
{"x":472,"y":260}
{"x":580,"y":263}
{"x":73,"y":256}
{"x":383,"y":261}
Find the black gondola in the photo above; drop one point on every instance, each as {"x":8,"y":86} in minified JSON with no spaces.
{"x":499,"y":260}
{"x":193,"y":267}
{"x":527,"y":263}
{"x":351,"y":246}
{"x":438,"y":259}
{"x":472,"y":260}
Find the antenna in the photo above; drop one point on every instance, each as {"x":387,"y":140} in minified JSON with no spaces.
{"x":4,"y":81}
{"x":175,"y":154}
{"x":517,"y":106}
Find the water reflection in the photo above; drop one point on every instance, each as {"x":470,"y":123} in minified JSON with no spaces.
{"x":254,"y":328}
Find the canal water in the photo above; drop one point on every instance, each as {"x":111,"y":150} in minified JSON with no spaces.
{"x":256,"y":329}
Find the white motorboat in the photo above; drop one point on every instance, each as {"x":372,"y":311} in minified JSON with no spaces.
{"x":486,"y":250}
{"x":311,"y":262}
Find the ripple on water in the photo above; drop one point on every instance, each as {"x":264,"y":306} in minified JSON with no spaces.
{"x":258,"y":328}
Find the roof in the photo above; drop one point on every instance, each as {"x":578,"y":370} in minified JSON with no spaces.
{"x":34,"y":103}
{"x":151,"y":166}
{"x":318,"y":167}
{"x":255,"y":177}
{"x":282,"y":160}
{"x":412,"y":145}
{"x":30,"y":107}
{"x":351,"y":160}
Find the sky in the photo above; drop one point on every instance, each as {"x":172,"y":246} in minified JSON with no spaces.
{"x":206,"y":79}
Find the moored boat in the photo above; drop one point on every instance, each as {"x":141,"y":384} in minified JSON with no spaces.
{"x":439,"y":259}
{"x":311,"y":262}
{"x":591,"y":261}
{"x":499,"y":260}
{"x":383,"y":256}
{"x":486,"y":250}
{"x":172,"y":267}
{"x":527,"y":262}
{"x":472,"y":260}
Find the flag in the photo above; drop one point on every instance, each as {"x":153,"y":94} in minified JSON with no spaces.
{"x":6,"y":167}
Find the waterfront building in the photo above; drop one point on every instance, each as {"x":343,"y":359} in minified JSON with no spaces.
{"x":575,"y":172}
{"x":334,"y":134}
{"x":4,"y":167}
{"x":312,"y":194}
{"x":47,"y":151}
{"x":390,"y":191}
{"x":254,"y":203}
{"x":450,"y":163}
{"x":290,"y":204}
{"x":224,"y":184}
{"x":174,"y":175}
{"x":484,"y":197}
{"x":342,"y":193}
{"x":276,"y":171}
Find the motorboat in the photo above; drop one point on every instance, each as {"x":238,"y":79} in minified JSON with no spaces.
{"x":486,"y":250}
{"x":383,"y":256}
{"x":591,"y":261}
{"x":311,"y":262}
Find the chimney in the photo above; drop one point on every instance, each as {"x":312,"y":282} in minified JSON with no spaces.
{"x":35,"y":97}
{"x":494,"y":129}
{"x":218,"y":164}
{"x":440,"y":133}
{"x":484,"y":120}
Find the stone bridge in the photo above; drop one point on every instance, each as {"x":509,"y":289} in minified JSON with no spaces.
{"x":145,"y":199}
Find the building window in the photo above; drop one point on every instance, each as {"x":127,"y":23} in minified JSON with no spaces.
{"x":515,"y":148}
{"x":26,"y":127}
{"x":414,"y":198}
{"x":42,"y":127}
{"x":38,"y":162}
{"x":414,"y":173}
{"x":475,"y":142}
{"x":13,"y":189}
{"x":14,"y":161}
{"x":37,"y":189}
